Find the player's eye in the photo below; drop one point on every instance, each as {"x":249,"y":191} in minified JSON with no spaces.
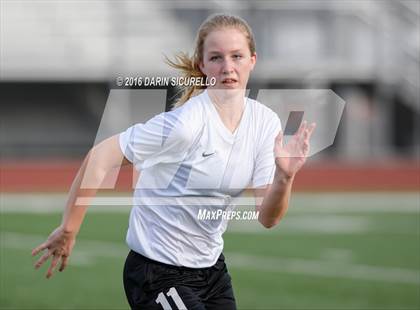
{"x":214,"y":58}
{"x":237,"y":56}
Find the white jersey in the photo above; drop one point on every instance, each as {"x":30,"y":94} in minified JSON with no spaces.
{"x":190,"y":161}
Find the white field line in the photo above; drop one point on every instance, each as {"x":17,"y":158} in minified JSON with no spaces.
{"x":324,"y":219}
{"x":300,"y":202}
{"x":87,"y":252}
{"x":325,"y":224}
{"x":324,"y":269}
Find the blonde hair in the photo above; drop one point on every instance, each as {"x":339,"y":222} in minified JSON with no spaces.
{"x":189,"y":65}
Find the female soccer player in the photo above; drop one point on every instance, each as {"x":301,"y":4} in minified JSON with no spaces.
{"x":213,"y":145}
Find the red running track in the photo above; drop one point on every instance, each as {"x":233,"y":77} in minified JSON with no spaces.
{"x":56,"y":176}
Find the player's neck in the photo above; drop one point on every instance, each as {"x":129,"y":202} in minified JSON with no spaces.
{"x":229,"y":105}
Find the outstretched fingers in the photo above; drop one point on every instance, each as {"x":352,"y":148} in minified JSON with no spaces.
{"x":311,"y":129}
{"x":40,"y":248}
{"x":305,"y":137}
{"x":63,"y":265}
{"x":307,"y":131}
{"x":43,"y":259}
{"x":301,"y":129}
{"x":54,"y":262}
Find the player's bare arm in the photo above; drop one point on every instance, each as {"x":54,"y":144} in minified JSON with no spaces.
{"x":98,"y":162}
{"x":289,"y":158}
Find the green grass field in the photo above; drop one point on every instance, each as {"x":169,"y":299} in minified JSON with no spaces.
{"x":331,"y":251}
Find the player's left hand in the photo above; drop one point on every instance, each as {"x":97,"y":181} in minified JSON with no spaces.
{"x":59,"y":246}
{"x":291,"y":156}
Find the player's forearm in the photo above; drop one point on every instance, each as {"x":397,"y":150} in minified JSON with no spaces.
{"x":276,"y":200}
{"x":90,"y":178}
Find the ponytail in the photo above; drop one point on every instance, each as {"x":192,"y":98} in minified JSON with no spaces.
{"x":189,"y":68}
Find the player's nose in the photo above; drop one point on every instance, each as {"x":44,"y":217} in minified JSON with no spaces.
{"x":227,"y":66}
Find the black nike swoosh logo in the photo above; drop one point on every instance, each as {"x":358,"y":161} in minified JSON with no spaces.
{"x":207,"y":154}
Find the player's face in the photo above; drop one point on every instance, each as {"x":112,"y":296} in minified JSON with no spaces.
{"x":227,"y":57}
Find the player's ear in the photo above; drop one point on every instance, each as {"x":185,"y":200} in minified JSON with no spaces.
{"x":253,"y":60}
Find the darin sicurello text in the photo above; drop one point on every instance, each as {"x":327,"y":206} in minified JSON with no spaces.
{"x":169,"y":81}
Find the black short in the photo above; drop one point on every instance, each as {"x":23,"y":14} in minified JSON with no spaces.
{"x":150,"y":284}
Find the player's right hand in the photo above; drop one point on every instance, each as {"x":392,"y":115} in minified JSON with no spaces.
{"x":58,"y":245}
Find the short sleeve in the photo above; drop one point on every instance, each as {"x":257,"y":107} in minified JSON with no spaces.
{"x":265,"y":162}
{"x":163,"y":139}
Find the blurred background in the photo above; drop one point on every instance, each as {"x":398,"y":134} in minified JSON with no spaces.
{"x":351,"y":239}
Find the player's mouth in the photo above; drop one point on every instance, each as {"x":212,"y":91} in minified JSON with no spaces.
{"x":229,"y":82}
